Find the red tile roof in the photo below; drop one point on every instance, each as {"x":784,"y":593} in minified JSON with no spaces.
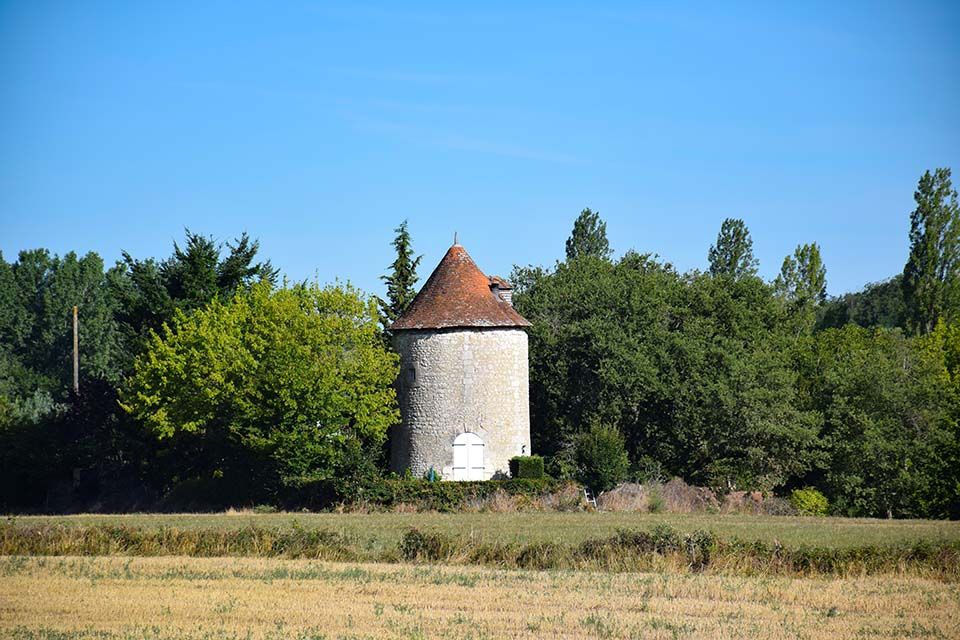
{"x":458,"y":294}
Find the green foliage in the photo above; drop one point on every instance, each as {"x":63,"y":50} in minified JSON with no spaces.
{"x":589,"y":237}
{"x":239,"y":393}
{"x":888,"y":432}
{"x":526,"y":467}
{"x":657,"y":503}
{"x":446,"y":497}
{"x":149,"y":292}
{"x":939,"y":351}
{"x":378,"y":493}
{"x":52,"y":443}
{"x":264,"y":508}
{"x":930,"y":284}
{"x":402,"y":279}
{"x":802,"y":284}
{"x":267,"y":387}
{"x":693,"y":370}
{"x":879,"y":304}
{"x":37,"y":295}
{"x":601,"y":457}
{"x":809,"y":502}
{"x":416,"y":545}
{"x":732,"y":255}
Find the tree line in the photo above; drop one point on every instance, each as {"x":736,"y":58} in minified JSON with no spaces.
{"x":732,"y":382}
{"x":203,"y":381}
{"x":207,"y":382}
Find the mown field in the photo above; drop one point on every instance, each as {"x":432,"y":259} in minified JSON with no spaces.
{"x":376,"y":530}
{"x":106,"y":598}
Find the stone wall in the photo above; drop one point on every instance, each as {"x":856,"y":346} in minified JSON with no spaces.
{"x":458,"y":381}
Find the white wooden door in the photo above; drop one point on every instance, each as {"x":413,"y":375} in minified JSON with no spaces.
{"x":468,"y":457}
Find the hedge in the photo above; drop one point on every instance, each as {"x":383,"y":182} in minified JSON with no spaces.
{"x":429,"y":496}
{"x":526,"y":467}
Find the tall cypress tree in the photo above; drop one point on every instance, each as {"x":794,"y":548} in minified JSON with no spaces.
{"x":930,"y":279}
{"x":402,"y":279}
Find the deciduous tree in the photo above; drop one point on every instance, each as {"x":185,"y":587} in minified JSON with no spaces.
{"x":930,"y":282}
{"x":690,"y":369}
{"x":889,"y":429}
{"x":589,"y":237}
{"x":879,"y":304}
{"x":732,"y":255}
{"x":270,"y":386}
{"x":802,"y":283}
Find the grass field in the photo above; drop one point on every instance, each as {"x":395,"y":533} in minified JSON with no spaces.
{"x":383,"y":530}
{"x":106,"y":598}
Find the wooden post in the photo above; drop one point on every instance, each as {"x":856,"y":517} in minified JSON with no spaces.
{"x":76,"y":354}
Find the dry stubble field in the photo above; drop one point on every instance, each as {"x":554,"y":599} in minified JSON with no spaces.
{"x":170,"y":597}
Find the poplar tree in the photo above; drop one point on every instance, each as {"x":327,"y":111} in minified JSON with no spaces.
{"x":732,"y":256}
{"x":402,"y":279}
{"x":930,"y":280}
{"x":802,"y":283}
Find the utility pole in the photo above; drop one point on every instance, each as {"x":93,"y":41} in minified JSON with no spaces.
{"x":76,"y":354}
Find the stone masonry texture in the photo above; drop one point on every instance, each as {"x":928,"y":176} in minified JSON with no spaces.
{"x":455,"y":381}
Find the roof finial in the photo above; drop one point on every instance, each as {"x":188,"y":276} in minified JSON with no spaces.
{"x":455,"y":238}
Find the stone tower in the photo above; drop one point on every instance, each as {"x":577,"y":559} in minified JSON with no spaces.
{"x":463,"y":386}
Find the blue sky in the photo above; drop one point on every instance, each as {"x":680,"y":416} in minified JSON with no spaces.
{"x":318,"y":127}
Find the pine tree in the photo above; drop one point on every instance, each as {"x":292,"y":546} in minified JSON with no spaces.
{"x":589,"y":237}
{"x":732,"y":256}
{"x":401,"y":280}
{"x":191,"y":273}
{"x":930,"y":280}
{"x":239,"y":269}
{"x":196,"y":274}
{"x":148,"y":291}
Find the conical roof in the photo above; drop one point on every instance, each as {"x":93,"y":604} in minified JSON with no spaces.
{"x":458,"y":294}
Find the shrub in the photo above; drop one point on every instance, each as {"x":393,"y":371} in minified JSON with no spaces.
{"x":656,"y":502}
{"x":601,"y":457}
{"x":526,"y":467}
{"x":417,"y":545}
{"x":809,"y":502}
{"x":647,"y":470}
{"x":561,"y":465}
